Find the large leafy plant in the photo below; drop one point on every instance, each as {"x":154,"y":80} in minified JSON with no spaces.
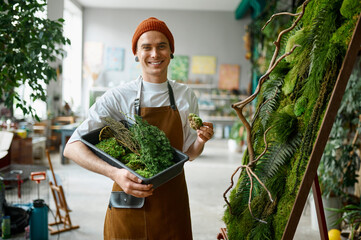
{"x":29,"y":44}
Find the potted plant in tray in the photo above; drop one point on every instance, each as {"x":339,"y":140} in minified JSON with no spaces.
{"x":340,"y":162}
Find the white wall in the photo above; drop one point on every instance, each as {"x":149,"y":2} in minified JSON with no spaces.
{"x":195,"y":32}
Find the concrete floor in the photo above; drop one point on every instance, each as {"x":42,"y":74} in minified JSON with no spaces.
{"x":208,"y":177}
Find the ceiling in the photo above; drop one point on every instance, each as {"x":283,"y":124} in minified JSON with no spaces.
{"x":204,"y":5}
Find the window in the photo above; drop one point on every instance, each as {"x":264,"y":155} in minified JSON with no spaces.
{"x":72,"y":63}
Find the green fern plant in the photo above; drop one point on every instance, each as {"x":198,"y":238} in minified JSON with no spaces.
{"x":278,"y":155}
{"x":321,"y":31}
{"x":271,"y":95}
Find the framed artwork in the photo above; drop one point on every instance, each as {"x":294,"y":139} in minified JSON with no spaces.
{"x":204,"y":65}
{"x":114,"y":59}
{"x":179,"y":67}
{"x":93,"y":60}
{"x":229,"y":76}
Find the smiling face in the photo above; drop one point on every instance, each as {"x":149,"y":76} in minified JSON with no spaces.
{"x":154,"y":52}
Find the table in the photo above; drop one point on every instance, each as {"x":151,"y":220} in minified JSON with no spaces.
{"x":66,"y":131}
{"x":10,"y":172}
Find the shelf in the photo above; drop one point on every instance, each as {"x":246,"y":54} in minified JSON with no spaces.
{"x":228,"y":97}
{"x":220,"y":119}
{"x":201,"y":86}
{"x":207,"y":108}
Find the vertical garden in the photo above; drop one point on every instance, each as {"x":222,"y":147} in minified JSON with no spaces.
{"x":290,"y":108}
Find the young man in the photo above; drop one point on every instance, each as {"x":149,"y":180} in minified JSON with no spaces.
{"x":163,"y":103}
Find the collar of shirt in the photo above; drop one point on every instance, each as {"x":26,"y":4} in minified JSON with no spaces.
{"x":154,"y":87}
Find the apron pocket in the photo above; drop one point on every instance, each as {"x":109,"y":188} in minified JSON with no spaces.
{"x":125,"y":224}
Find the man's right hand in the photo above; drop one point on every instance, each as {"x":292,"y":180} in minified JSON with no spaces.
{"x":131,"y":184}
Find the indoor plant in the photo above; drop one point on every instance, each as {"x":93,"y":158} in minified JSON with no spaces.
{"x":340,"y":162}
{"x":351,"y":216}
{"x":29,"y":44}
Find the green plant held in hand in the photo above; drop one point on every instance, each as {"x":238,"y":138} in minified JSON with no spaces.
{"x":155,"y":150}
{"x":136,"y":164}
{"x":195,"y":122}
{"x":153,"y":154}
{"x":129,"y":157}
{"x":144,"y":172}
{"x":111,"y":147}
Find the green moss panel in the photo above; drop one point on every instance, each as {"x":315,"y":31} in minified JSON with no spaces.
{"x":292,"y":101}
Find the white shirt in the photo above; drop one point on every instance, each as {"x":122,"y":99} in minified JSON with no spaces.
{"x":120,"y":100}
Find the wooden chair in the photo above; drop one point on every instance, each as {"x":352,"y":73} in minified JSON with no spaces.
{"x":60,"y":203}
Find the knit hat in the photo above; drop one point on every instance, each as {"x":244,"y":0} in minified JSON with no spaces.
{"x":152,"y":24}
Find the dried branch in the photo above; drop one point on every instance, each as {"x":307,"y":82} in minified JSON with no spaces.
{"x":252,"y":164}
{"x":123,"y":135}
{"x":229,"y":188}
{"x":250,"y":173}
{"x":278,"y":41}
{"x":240,"y":105}
{"x":279,"y":14}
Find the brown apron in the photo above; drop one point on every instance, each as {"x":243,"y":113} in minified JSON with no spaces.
{"x":165,"y":214}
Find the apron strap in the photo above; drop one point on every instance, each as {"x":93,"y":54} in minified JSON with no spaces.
{"x":137,"y":100}
{"x":171,"y":97}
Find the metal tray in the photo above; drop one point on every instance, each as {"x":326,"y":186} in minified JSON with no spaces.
{"x":92,"y":138}
{"x":122,"y":200}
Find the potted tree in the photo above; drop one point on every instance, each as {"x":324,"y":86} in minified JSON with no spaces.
{"x":29,"y":44}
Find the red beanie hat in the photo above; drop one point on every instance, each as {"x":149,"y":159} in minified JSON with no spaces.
{"x":152,"y":24}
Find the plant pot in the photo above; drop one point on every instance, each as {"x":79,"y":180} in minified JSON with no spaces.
{"x":233,"y":146}
{"x":345,"y":235}
{"x":332,"y":217}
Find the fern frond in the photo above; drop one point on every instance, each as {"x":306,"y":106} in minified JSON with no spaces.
{"x":324,"y":25}
{"x":271,"y":93}
{"x":240,"y":200}
{"x":277,"y":156}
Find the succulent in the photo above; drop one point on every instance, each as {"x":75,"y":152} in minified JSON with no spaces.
{"x":195,"y":122}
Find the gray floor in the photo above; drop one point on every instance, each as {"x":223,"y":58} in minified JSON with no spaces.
{"x":207,"y":177}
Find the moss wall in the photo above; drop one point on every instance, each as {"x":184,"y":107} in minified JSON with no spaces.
{"x":297,"y":93}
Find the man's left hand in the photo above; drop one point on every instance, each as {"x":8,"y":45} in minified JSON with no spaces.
{"x":205,"y":132}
